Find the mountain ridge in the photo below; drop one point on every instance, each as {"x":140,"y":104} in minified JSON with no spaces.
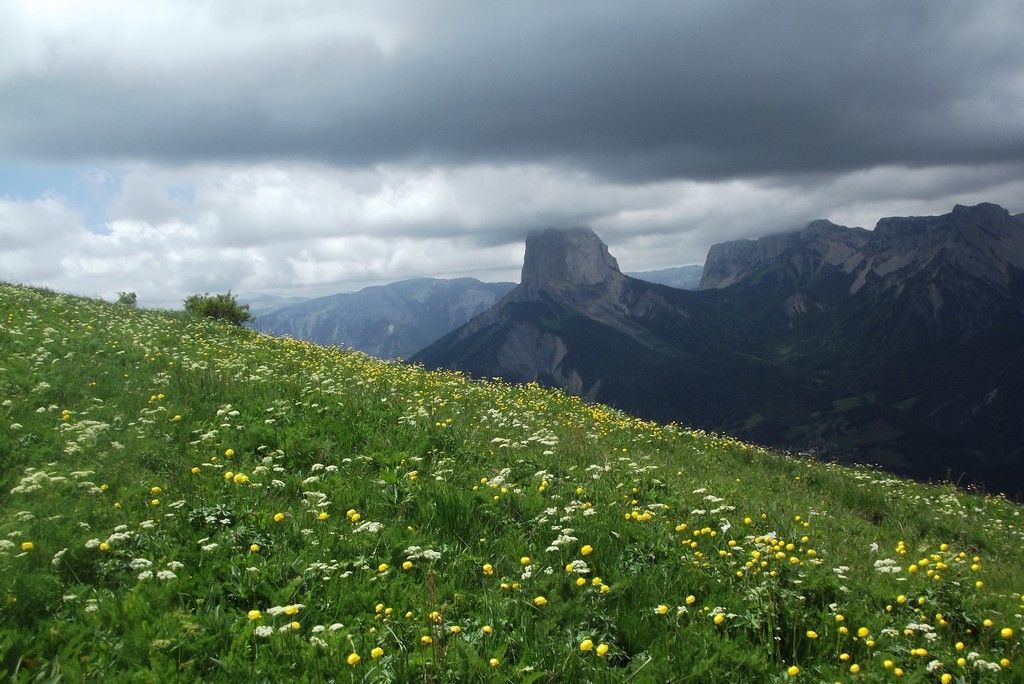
{"x":886,"y":347}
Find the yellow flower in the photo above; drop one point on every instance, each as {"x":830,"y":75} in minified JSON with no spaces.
{"x":863,"y":632}
{"x":488,"y":569}
{"x":494,"y":662}
{"x":27,"y":546}
{"x":104,"y":547}
{"x":581,"y":582}
{"x":455,"y":629}
{"x":295,"y":625}
{"x":811,"y":634}
{"x":691,"y":599}
{"x":155,"y":490}
{"x":323,"y":515}
{"x":793,"y":671}
{"x":537,"y":601}
{"x":196,"y":470}
{"x":254,"y":614}
{"x":662,"y":609}
{"x":855,"y":668}
{"x":228,"y":475}
{"x":240,"y":478}
{"x":946,"y":678}
{"x":587,"y":550}
{"x":176,"y":419}
{"x":1006,"y":633}
{"x":602,"y":649}
{"x":291,"y":609}
{"x":426,"y":640}
{"x":888,"y":664}
{"x":719,"y":618}
{"x":254,"y":548}
{"x":525,"y":560}
{"x":586,"y":645}
{"x":278,"y":517}
{"x":154,"y":502}
{"x":353,"y":659}
{"x":383,"y":567}
{"x":407,"y":565}
{"x":377,"y":652}
{"x":229,"y":452}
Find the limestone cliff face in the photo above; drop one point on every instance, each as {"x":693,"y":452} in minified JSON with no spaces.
{"x":560,"y":259}
{"x":823,"y":241}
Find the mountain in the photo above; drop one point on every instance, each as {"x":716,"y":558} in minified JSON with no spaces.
{"x":902,"y":346}
{"x":680,"y":277}
{"x":260,"y":305}
{"x":388,"y":321}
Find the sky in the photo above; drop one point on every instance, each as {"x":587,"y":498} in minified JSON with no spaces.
{"x":310,"y":147}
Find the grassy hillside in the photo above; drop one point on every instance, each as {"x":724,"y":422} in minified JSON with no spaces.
{"x":181,"y":500}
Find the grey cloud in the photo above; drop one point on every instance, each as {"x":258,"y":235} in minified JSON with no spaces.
{"x":628,"y":91}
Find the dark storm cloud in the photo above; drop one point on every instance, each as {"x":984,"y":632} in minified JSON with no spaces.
{"x":630,"y":91}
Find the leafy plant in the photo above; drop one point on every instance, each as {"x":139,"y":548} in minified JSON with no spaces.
{"x":222,"y":307}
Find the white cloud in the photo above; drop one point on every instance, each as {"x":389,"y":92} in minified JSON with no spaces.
{"x":314,"y":229}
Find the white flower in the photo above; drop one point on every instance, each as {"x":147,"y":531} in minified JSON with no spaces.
{"x":264,"y":631}
{"x":166,"y":575}
{"x":145,"y":575}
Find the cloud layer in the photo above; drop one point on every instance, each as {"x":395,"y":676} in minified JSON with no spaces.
{"x":310,"y":146}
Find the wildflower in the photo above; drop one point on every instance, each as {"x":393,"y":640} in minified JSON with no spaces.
{"x":383,"y":567}
{"x":486,"y":629}
{"x":488,"y":569}
{"x":407,"y":565}
{"x":228,"y":453}
{"x":855,"y":668}
{"x":27,"y":546}
{"x":295,"y":625}
{"x":586,"y":645}
{"x":278,"y":517}
{"x":155,"y":490}
{"x":587,"y":550}
{"x":793,"y":671}
{"x":196,"y":470}
{"x":811,"y":634}
{"x":540,"y":601}
{"x":104,"y":547}
{"x":494,"y":662}
{"x":719,"y":618}
{"x":426,"y":640}
{"x":254,"y":614}
{"x":602,"y":649}
{"x":1006,"y":633}
{"x":863,"y":632}
{"x":455,"y":629}
{"x":662,"y":609}
{"x":240,"y":478}
{"x":525,"y":560}
{"x":323,"y":515}
{"x":691,"y":599}
{"x":354,"y":659}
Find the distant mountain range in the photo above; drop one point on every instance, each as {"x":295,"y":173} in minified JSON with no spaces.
{"x":387,"y":321}
{"x":394,"y":321}
{"x":680,"y":277}
{"x":902,"y":346}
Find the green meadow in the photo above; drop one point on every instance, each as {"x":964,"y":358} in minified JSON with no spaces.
{"x":184,"y":500}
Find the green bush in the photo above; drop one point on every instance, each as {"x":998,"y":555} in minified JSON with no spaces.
{"x":223,"y":307}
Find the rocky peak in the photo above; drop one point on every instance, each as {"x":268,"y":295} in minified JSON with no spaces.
{"x":823,"y":241}
{"x":560,"y":258}
{"x":983,"y":240}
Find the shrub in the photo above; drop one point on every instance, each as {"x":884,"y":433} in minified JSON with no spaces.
{"x":223,"y":307}
{"x":127,"y":299}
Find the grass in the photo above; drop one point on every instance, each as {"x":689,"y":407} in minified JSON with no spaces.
{"x":164,"y":477}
